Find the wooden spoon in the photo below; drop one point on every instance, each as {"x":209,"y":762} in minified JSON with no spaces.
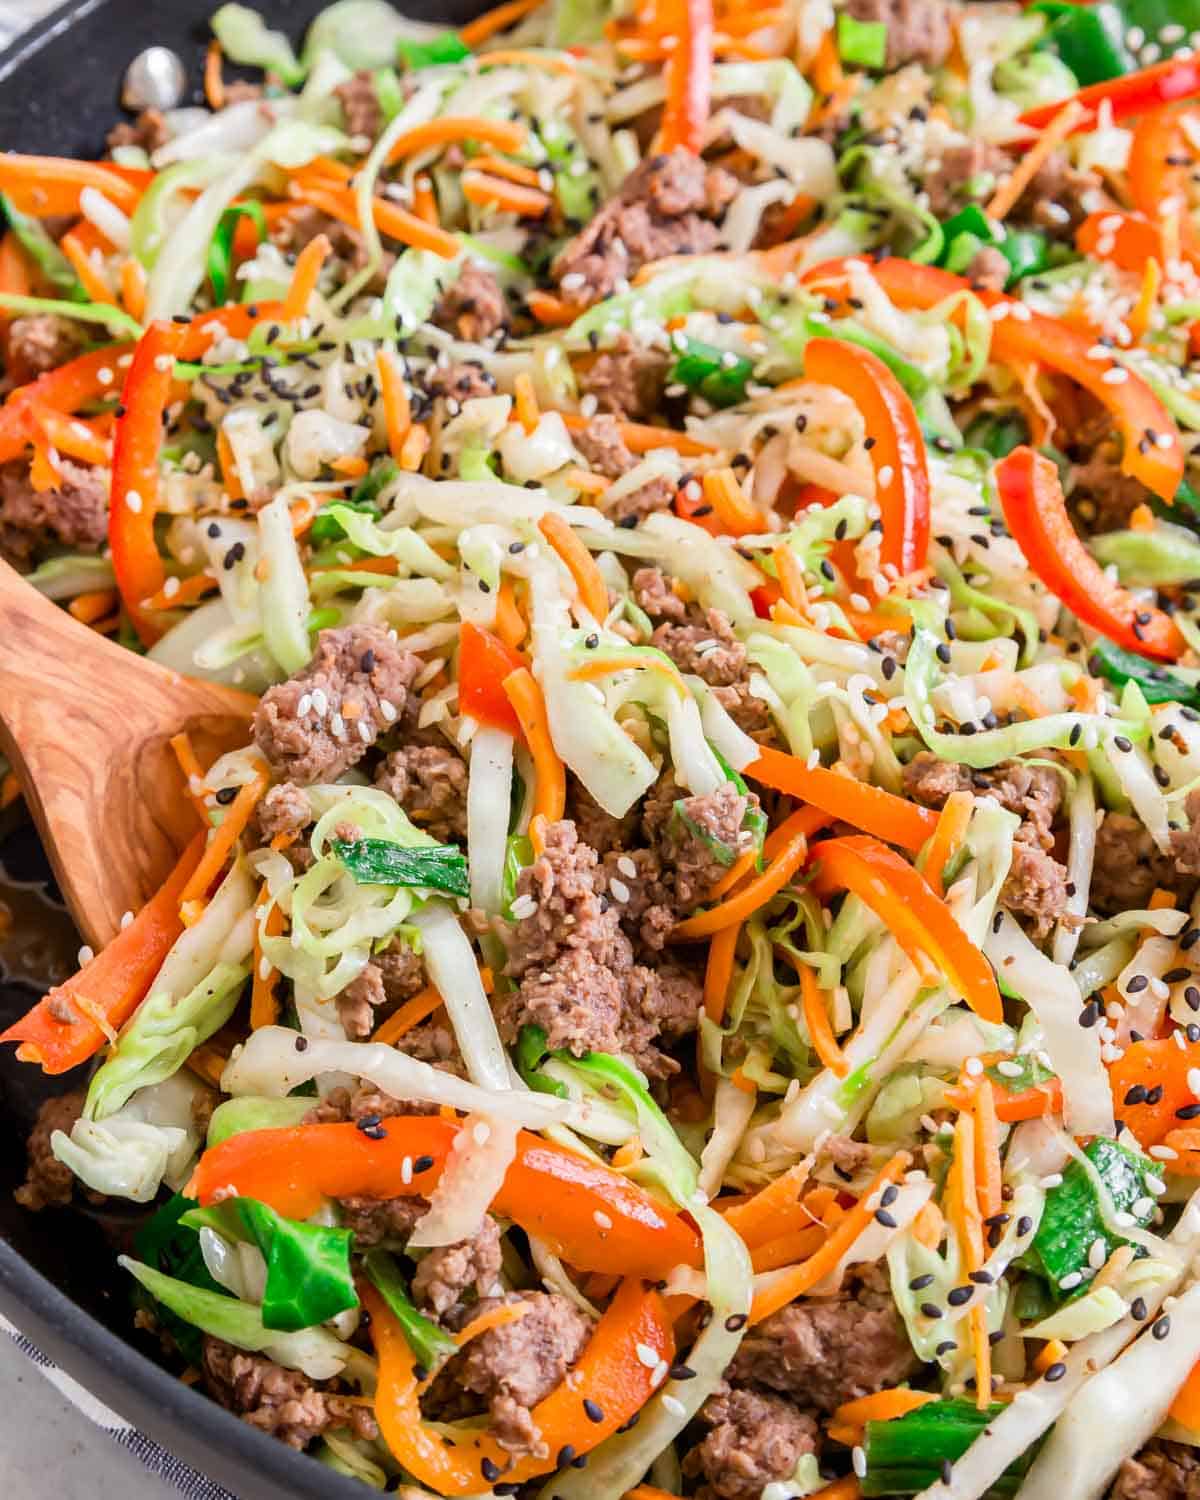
{"x":86,"y":724}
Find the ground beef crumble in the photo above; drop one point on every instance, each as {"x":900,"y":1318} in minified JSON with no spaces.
{"x":430,"y":784}
{"x":75,"y":514}
{"x":473,"y":307}
{"x":49,"y":1184}
{"x":753,"y":1439}
{"x":1161,"y":1471}
{"x":283,"y":1402}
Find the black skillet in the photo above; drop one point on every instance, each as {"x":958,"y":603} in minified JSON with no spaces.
{"x":59,"y":1282}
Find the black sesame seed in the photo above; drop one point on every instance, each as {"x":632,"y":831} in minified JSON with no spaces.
{"x":735,"y":1322}
{"x":422,"y":1163}
{"x":947,"y":1471}
{"x":1138,"y":1310}
{"x":1135,"y":1095}
{"x":301,"y":1044}
{"x":889,"y":1221}
{"x":591,"y":1411}
{"x":889,"y":1195}
{"x":1161,"y":1328}
{"x":226,"y":795}
{"x":1024,"y":1226}
{"x":682,"y":1372}
{"x":1188,"y":1112}
{"x":919,"y":1283}
{"x":1055,"y":1372}
{"x":490,"y":1470}
{"x":565,"y":1455}
{"x":947,"y":1346}
{"x":931,"y":1310}
{"x":958,"y":1296}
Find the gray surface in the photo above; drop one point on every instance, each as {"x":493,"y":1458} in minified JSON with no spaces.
{"x":48,"y":1449}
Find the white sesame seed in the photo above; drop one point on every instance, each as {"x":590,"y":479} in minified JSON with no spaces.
{"x":264,"y":968}
{"x":365,"y":732}
{"x":619,"y":890}
{"x":134,"y":501}
{"x":1164,"y":1153}
{"x":974,"y":1066}
{"x":573,"y":281}
{"x":647,"y":1356}
{"x":601,"y":1220}
{"x":1097,"y":1252}
{"x":813,"y":761}
{"x":1051,"y":1180}
{"x":482,"y":1132}
{"x":1143,"y":1208}
{"x":673,"y":1403}
{"x":1155,"y":1184}
{"x":1193,"y":1078}
{"x":337,"y":725}
{"x":320,"y":702}
{"x":104,"y":376}
{"x":387,"y":710}
{"x":1071,"y":1279}
{"x":660,"y":1372}
{"x":627,"y":867}
{"x":303,"y":706}
{"x":523,"y":906}
{"x":885,"y":475}
{"x":859,"y":1461}
{"x":1118,"y":375}
{"x":1009,"y":1068}
{"x":164,"y":362}
{"x":85,"y":955}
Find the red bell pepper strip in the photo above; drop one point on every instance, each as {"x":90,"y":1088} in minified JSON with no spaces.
{"x":1036,"y":512}
{"x":484,"y":661}
{"x":137,"y":437}
{"x":1161,"y":163}
{"x":1134,"y":94}
{"x":898,"y":452}
{"x":922,"y":925}
{"x":91,"y":377}
{"x":64,"y":1028}
{"x":1125,"y":240}
{"x":1030,"y":1104}
{"x":549,"y":1191}
{"x":609,"y":1385}
{"x":1160,"y":1068}
{"x":867,"y":807}
{"x":688,"y":73}
{"x":1028,"y":337}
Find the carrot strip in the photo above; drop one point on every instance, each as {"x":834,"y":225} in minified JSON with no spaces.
{"x":593,"y":591}
{"x":586,"y":482}
{"x":47,"y":186}
{"x":736,"y":513}
{"x":640,"y":437}
{"x":188,"y":591}
{"x":528,"y":413}
{"x":133,"y":288}
{"x":511,"y":197}
{"x":791,"y":579}
{"x":741,"y":866}
{"x":264,"y":1002}
{"x":718,"y":971}
{"x":487,"y":25}
{"x":787,"y":1249}
{"x":94,"y":283}
{"x":550,"y":792}
{"x":1060,"y":127}
{"x":424,"y":200}
{"x":1051,"y":1352}
{"x":351,"y":465}
{"x":93,"y":606}
{"x":804,"y":1277}
{"x":552,"y":311}
{"x":390,"y":219}
{"x":883,"y":1406}
{"x":511,"y":171}
{"x":71,"y":435}
{"x":757,"y":1219}
{"x":237,"y":815}
{"x":410,"y":1014}
{"x":194,"y":779}
{"x":396,"y":408}
{"x":228,"y":466}
{"x":501,"y":135}
{"x":304,"y":277}
{"x":604,"y":666}
{"x":947,"y":837}
{"x":988,"y":1172}
{"x":1139,"y":318}
{"x":841,"y":1489}
{"x":214,"y":84}
{"x":805,"y":820}
{"x":525,"y":57}
{"x":754,"y":894}
{"x":929,"y":1226}
{"x":820,"y":1031}
{"x":509,"y":622}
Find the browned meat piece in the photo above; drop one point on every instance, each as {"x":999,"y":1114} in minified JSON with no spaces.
{"x":1057,"y":199}
{"x":847,"y":1157}
{"x":284,"y":809}
{"x":707,"y":647}
{"x":1161,"y":1471}
{"x":360,"y":1103}
{"x":568,"y":910}
{"x":753,"y":1439}
{"x":75,"y":514}
{"x":434,"y":1043}
{"x":1103,"y":496}
{"x":1061,"y":196}
{"x":1034,"y":793}
{"x":360,"y":105}
{"x":379,"y":1221}
{"x":656,"y":494}
{"x":748,"y":712}
{"x":447,"y":1273}
{"x":320,"y":722}
{"x":575,"y":999}
{"x":653,"y":593}
{"x":1128,"y":866}
{"x":283,"y":1402}
{"x":460,"y":382}
{"x":699,"y":829}
{"x":430,"y":784}
{"x":595,"y":827}
{"x":358,"y":1002}
{"x":473,"y":307}
{"x":666,"y":1000}
{"x":39,"y":343}
{"x":627,"y":380}
{"x":149,"y":131}
{"x":917,"y":30}
{"x":516,"y":1366}
{"x":303,"y":223}
{"x":48,"y":1184}
{"x":1036,"y":887}
{"x":603,"y":447}
{"x":666,"y":206}
{"x":1185,"y":842}
{"x":827,"y":1350}
{"x":402,"y":971}
{"x":988,"y":270}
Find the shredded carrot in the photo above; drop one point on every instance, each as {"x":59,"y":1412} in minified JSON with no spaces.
{"x":754,"y":894}
{"x":501,"y":135}
{"x":511,"y":171}
{"x":214,"y":84}
{"x":820,"y":1031}
{"x":350,"y":465}
{"x":396,"y":408}
{"x":585,"y":482}
{"x":947,"y":838}
{"x":525,"y":397}
{"x":186,"y":591}
{"x":604,"y":666}
{"x":641,"y":437}
{"x":1141,"y":518}
{"x":495,"y":1317}
{"x":90,"y":607}
{"x":1060,"y":127}
{"x":133,"y":288}
{"x":741,"y":866}
{"x":390,"y":219}
{"x":509,"y":622}
{"x":264,"y":1002}
{"x":550,"y":791}
{"x":71,"y":435}
{"x":787,"y":1249}
{"x":302,"y":513}
{"x":193,"y":777}
{"x":589,"y":581}
{"x":221,"y":843}
{"x":475,"y":32}
{"x":511,"y":197}
{"x":1050,"y":1354}
{"x":791,"y":580}
{"x":988,"y":1173}
{"x":805,"y":820}
{"x":552,"y":311}
{"x":757,"y":1220}
{"x":208,"y":1062}
{"x":537,"y":834}
{"x":718,"y":971}
{"x":410,"y":1014}
{"x":929,"y":1227}
{"x":230,"y":478}
{"x":304,"y":277}
{"x":424,"y":200}
{"x":414,"y":447}
{"x":724,"y":493}
{"x":883,"y":1406}
{"x":94,"y":284}
{"x":10,"y":790}
{"x":802,"y":1278}
{"x":647,"y":1492}
{"x":1143,"y":310}
{"x":525,"y":57}
{"x":42,"y":473}
{"x":841,"y":1489}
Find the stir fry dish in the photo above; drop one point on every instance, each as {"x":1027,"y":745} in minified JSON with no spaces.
{"x":688,"y":988}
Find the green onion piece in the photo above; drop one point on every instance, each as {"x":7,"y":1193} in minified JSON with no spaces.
{"x":719,"y":377}
{"x":862,"y":43}
{"x":327,"y":528}
{"x":1157,"y":684}
{"x":388,"y":92}
{"x":426,"y":1340}
{"x":436,"y":867}
{"x":906,"y":1455}
{"x":531,"y":1054}
{"x":220,"y":250}
{"x":997,"y":433}
{"x":448,"y":47}
{"x":914,"y":380}
{"x":165,"y":1246}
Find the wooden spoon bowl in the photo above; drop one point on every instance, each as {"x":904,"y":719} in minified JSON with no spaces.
{"x":86,"y":725}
